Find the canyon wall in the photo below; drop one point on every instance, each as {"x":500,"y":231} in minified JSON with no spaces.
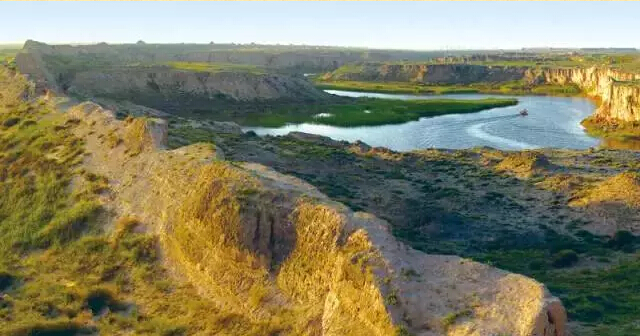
{"x":104,"y":72}
{"x":430,"y":74}
{"x":166,"y":82}
{"x":275,"y":250}
{"x":617,"y":91}
{"x":286,"y":57}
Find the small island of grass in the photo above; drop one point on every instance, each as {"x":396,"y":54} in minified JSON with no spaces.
{"x":370,"y":111}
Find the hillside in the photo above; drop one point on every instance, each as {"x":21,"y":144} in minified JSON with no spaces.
{"x":178,"y":223}
{"x":115,"y":238}
{"x":566,"y":218}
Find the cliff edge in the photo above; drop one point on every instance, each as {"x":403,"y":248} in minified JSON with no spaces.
{"x":275,"y":250}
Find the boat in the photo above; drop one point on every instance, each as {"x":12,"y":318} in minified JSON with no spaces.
{"x":524,"y":113}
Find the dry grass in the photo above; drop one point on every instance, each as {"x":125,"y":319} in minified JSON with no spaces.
{"x":330,"y":271}
{"x":524,"y":164}
{"x":562,"y":183}
{"x":208,"y":243}
{"x":136,"y":136}
{"x":205,"y":240}
{"x":54,"y":255}
{"x":124,"y":226}
{"x":622,"y":188}
{"x":70,"y":270}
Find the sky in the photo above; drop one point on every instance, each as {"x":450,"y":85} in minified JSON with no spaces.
{"x":397,"y":25}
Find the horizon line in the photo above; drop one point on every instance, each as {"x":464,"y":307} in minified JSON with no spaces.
{"x":85,"y":43}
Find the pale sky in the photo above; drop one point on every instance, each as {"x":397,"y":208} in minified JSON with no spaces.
{"x":401,"y":25}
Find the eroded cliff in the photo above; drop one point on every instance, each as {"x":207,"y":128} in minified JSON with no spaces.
{"x":430,"y":74}
{"x":275,"y":250}
{"x":76,"y":71}
{"x":618,"y":92}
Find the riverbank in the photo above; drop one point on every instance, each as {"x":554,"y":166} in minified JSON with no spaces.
{"x":506,"y":88}
{"x":607,"y":129}
{"x":370,"y":112}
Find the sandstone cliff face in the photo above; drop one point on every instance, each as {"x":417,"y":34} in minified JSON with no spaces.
{"x":432,"y":73}
{"x":302,"y":59}
{"x":166,"y":82}
{"x":32,"y":65}
{"x":98,"y":71}
{"x":273,"y":248}
{"x":616,"y":90}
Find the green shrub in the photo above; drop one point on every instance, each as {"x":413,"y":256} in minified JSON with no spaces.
{"x":565,"y":258}
{"x":99,"y":299}
{"x":622,"y":240}
{"x":11,"y":121}
{"x":536,"y":265}
{"x":70,"y":223}
{"x":6,"y":280}
{"x":50,"y":328}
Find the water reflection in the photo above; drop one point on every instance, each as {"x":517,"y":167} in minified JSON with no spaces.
{"x":552,"y":122}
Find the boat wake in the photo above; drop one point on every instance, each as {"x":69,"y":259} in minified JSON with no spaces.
{"x":477,"y":131}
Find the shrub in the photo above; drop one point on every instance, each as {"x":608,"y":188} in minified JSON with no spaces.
{"x":50,"y":328}
{"x":123,"y":226}
{"x":622,"y":240}
{"x":10,"y":122}
{"x":99,"y":299}
{"x":69,"y":224}
{"x":536,"y":265}
{"x":6,"y":280}
{"x":565,"y":258}
{"x":451,"y":318}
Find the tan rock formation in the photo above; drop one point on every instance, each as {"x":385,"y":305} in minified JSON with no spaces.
{"x":272,"y":248}
{"x":433,"y":74}
{"x":164,"y":82}
{"x":619,"y":95}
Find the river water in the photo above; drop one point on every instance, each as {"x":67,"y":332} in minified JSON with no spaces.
{"x":552,"y":122}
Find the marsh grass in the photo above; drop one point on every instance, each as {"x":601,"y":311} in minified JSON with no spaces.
{"x":506,"y":88}
{"x":371,"y":111}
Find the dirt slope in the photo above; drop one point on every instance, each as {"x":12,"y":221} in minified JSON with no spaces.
{"x":272,"y":248}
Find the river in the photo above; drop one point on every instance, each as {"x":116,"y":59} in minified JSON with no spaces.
{"x":552,"y":122}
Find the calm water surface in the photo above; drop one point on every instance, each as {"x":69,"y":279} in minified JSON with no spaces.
{"x":552,"y":122}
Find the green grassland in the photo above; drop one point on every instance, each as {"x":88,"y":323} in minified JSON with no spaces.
{"x":624,"y":131}
{"x":216,"y":67}
{"x":506,"y":88}
{"x":6,"y":54}
{"x":61,"y":273}
{"x":369,"y":111}
{"x":623,"y":61}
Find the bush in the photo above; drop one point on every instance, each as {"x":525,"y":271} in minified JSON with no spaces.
{"x":99,"y":299}
{"x":11,"y":121}
{"x":622,"y":240}
{"x":51,"y":328}
{"x":69,"y":223}
{"x":536,"y":265}
{"x":565,"y":258}
{"x":6,"y":280}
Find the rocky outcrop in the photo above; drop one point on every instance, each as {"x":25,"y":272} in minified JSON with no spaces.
{"x":274,"y":249}
{"x":617,"y":91}
{"x":32,"y":65}
{"x":168,"y":83}
{"x":434,"y":74}
{"x":106,"y":72}
{"x":287,"y":58}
